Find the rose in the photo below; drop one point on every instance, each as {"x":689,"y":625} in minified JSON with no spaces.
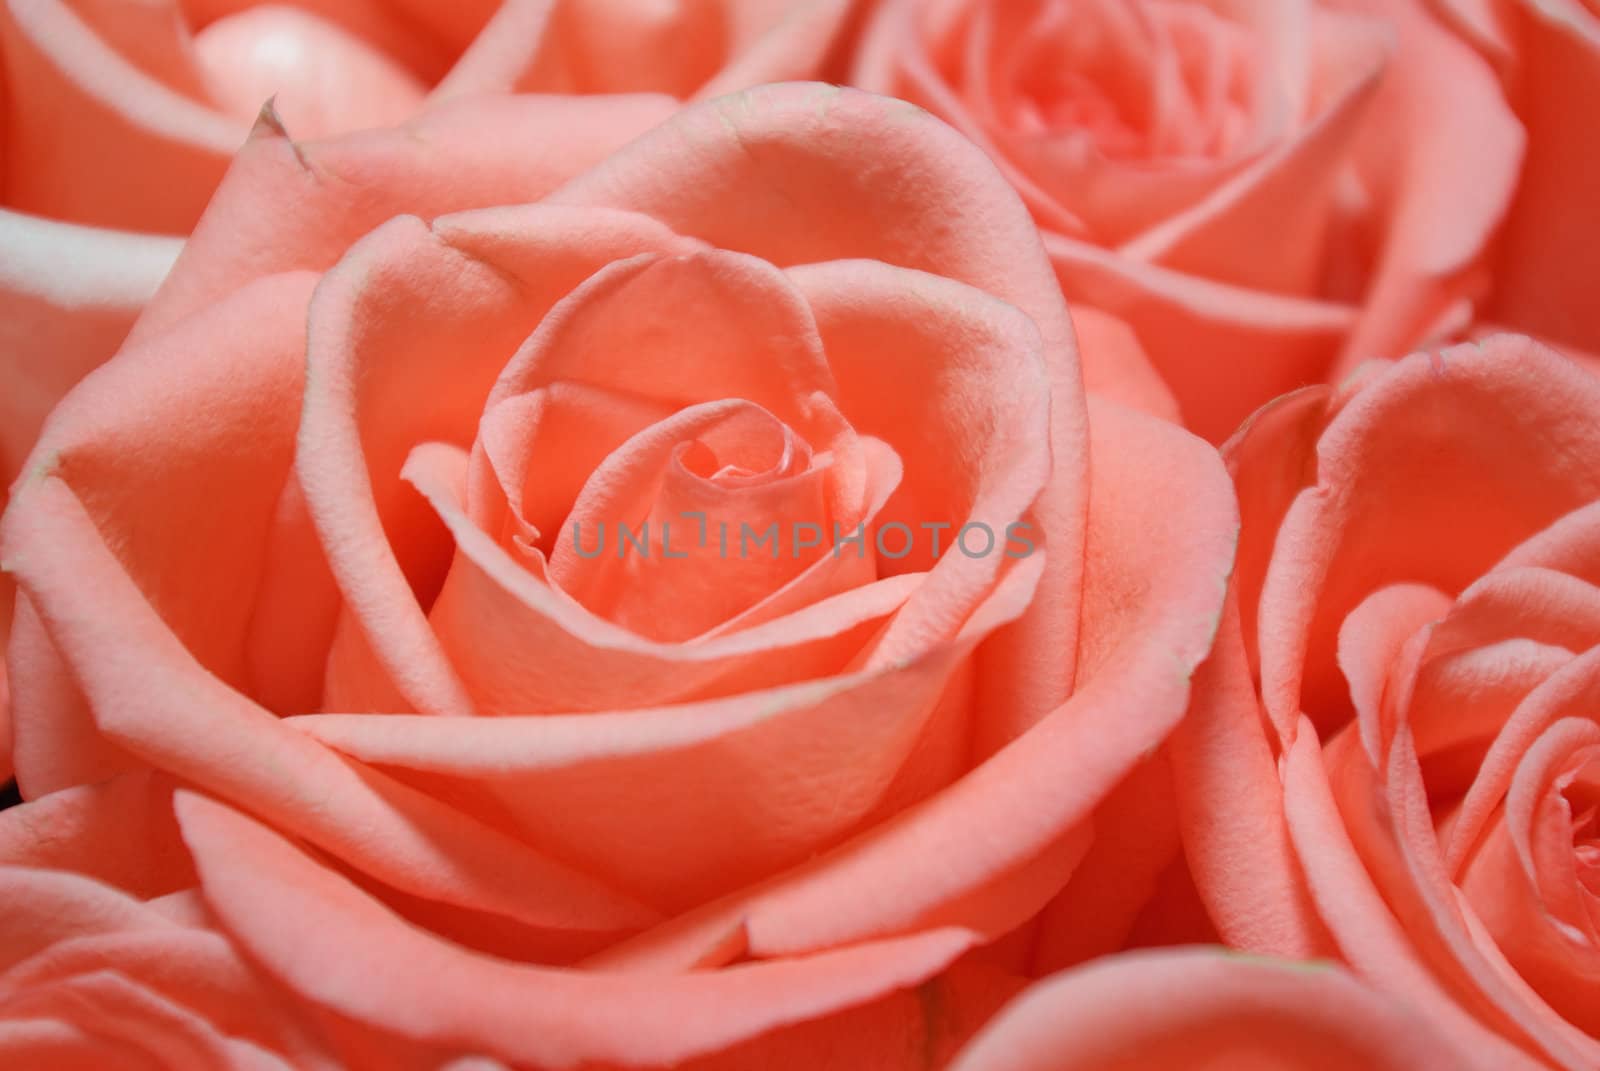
{"x":1548,"y":53}
{"x":1417,"y":592}
{"x":122,"y":117}
{"x":1200,"y":1008}
{"x":1267,"y":192}
{"x":344,"y":496}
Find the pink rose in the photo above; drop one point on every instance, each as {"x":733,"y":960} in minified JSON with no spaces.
{"x":318,"y":546}
{"x":1418,"y":599}
{"x":1266,"y":192}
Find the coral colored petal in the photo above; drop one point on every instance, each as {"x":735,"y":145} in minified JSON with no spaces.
{"x":1182,"y":1009}
{"x":287,"y":205}
{"x":368,"y":965}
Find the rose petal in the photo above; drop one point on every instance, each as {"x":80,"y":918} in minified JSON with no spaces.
{"x":1444,"y":166}
{"x":1543,"y":260}
{"x":1231,"y":811}
{"x":1368,"y":935}
{"x":778,"y":172}
{"x":151,"y":697}
{"x":216,"y":477}
{"x":286,"y":205}
{"x":1182,"y":1009}
{"x":68,"y":295}
{"x":1185,"y":321}
{"x":374,"y":968}
{"x":1116,"y":367}
{"x":62,"y":74}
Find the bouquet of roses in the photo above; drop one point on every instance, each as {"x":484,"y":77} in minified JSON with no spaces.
{"x":998,"y":535}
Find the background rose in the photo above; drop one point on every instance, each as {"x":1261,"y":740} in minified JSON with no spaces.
{"x":1548,"y":54}
{"x":874,"y":771}
{"x":1262,"y":190}
{"x":1418,"y":584}
{"x":125,"y":115}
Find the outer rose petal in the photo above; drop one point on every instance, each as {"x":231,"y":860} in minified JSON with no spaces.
{"x":1443,"y":163}
{"x":175,"y":508}
{"x":325,"y":195}
{"x":1178,"y":1010}
{"x":1230,"y":810}
{"x":1183,"y":322}
{"x":1546,"y":264}
{"x":68,"y":295}
{"x":413,"y":842}
{"x":280,"y":903}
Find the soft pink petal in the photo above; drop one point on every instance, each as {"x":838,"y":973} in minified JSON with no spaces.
{"x":1184,"y":1009}
{"x":142,"y":155}
{"x":286,"y":204}
{"x":1544,"y":261}
{"x":182,"y":459}
{"x":372,"y":967}
{"x":1231,"y":811}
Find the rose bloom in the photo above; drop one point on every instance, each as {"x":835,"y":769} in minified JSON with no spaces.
{"x":1418,"y":609}
{"x":121,"y":117}
{"x":302,"y":555}
{"x":1266,"y":191}
{"x":1548,"y":54}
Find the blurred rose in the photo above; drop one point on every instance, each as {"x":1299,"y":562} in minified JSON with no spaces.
{"x":125,"y":114}
{"x":1267,"y":191}
{"x":1419,"y":594}
{"x":312,"y":545}
{"x":1548,"y":53}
